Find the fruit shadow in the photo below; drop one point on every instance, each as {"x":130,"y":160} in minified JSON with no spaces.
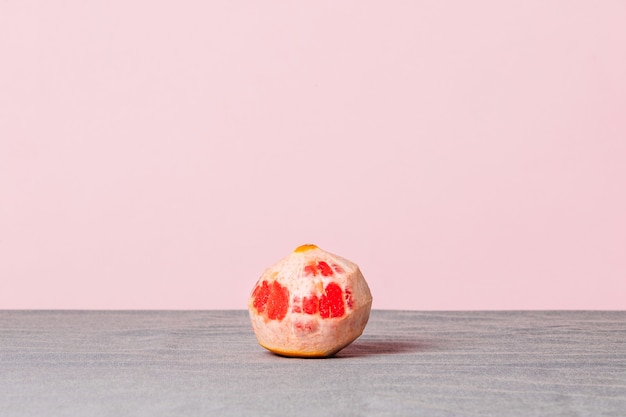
{"x":373,"y":347}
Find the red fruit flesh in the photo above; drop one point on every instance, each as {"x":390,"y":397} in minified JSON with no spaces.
{"x":349,"y":300}
{"x":261,"y":294}
{"x":278,"y":302}
{"x":310,"y":270}
{"x":309,"y":304}
{"x":331,"y":303}
{"x":273,"y":298}
{"x":324,"y":268}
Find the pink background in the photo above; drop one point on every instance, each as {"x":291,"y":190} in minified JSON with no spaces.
{"x":161,"y":154}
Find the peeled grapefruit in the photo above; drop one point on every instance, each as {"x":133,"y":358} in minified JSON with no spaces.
{"x":310,"y":304}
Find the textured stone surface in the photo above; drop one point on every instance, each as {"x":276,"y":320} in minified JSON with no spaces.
{"x":205,"y":363}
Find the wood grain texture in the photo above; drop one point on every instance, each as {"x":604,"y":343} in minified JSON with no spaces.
{"x":205,"y":363}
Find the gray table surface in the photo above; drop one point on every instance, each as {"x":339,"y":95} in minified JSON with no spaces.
{"x":207,"y":363}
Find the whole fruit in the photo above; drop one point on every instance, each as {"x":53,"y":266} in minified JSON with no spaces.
{"x":310,"y":304}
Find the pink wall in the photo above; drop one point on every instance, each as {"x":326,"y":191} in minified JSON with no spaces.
{"x":466,"y":154}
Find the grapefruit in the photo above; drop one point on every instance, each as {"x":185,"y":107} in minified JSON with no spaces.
{"x":310,"y":304}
